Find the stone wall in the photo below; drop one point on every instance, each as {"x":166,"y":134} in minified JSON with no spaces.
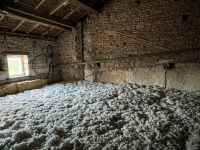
{"x":69,"y":53}
{"x":32,"y":47}
{"x":157,"y":34}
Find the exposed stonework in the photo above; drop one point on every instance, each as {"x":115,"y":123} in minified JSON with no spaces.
{"x":69,"y":53}
{"x":126,"y":29}
{"x":32,"y":47}
{"x":142,"y":76}
{"x":184,"y":77}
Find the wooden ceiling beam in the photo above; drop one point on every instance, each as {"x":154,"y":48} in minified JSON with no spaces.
{"x":71,"y":12}
{"x":83,"y":15}
{"x":47,"y":31}
{"x":18,"y":25}
{"x":33,"y":27}
{"x":72,"y":2}
{"x":36,"y":16}
{"x":38,"y":4}
{"x":2,"y":17}
{"x":36,"y":23}
{"x":16,"y":1}
{"x":81,"y":5}
{"x":58,"y":6}
{"x":27,"y":35}
{"x":58,"y":33}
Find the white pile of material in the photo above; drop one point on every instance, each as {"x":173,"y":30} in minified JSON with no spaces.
{"x":96,"y":116}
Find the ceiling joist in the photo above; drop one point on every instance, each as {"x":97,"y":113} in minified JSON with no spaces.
{"x":47,"y":31}
{"x":18,"y":25}
{"x":25,"y":11}
{"x":16,"y":1}
{"x":58,"y":6}
{"x":83,"y":15}
{"x":26,"y":35}
{"x":35,"y":23}
{"x":38,"y":4}
{"x":58,"y":33}
{"x":2,"y":17}
{"x":71,"y":12}
{"x":75,"y":3}
{"x":33,"y":27}
{"x":81,"y":5}
{"x":37,"y":16}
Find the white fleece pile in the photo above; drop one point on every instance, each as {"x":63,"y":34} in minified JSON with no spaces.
{"x":94,"y":116}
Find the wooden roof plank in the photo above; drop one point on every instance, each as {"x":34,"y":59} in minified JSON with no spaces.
{"x":58,"y":6}
{"x":33,"y":27}
{"x":83,"y":15}
{"x":38,"y":4}
{"x":71,"y":12}
{"x":26,"y":35}
{"x":47,"y":31}
{"x":2,"y":17}
{"x":58,"y":33}
{"x":37,"y":16}
{"x":81,"y":5}
{"x":16,"y":1}
{"x":18,"y":25}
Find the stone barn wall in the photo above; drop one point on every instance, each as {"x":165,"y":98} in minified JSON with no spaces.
{"x":159,"y":41}
{"x":32,"y":47}
{"x":69,"y":53}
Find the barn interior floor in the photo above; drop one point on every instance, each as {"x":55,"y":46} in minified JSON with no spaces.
{"x":93,"y":116}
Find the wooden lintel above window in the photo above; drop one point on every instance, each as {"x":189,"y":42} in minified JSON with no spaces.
{"x":15,"y":53}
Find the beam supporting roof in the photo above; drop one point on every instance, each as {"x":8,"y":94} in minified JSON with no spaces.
{"x":83,"y":15}
{"x":34,"y":22}
{"x":38,"y":4}
{"x":16,"y":1}
{"x":26,"y":35}
{"x":33,"y":27}
{"x":81,"y":5}
{"x":58,"y":33}
{"x":37,"y":16}
{"x":72,"y":2}
{"x":18,"y":25}
{"x":58,"y":6}
{"x":2,"y":17}
{"x":47,"y":31}
{"x":71,"y":12}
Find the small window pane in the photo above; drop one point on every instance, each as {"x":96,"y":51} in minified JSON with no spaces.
{"x":15,"y":66}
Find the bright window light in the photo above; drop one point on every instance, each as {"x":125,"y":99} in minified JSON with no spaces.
{"x":17,"y":65}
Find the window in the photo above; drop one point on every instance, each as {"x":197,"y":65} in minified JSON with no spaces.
{"x":17,"y":65}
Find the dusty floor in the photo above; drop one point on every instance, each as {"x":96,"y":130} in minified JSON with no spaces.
{"x":96,"y":116}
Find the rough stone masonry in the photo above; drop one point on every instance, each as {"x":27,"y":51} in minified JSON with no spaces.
{"x":133,"y":28}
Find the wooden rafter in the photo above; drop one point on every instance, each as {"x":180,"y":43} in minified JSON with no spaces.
{"x":83,"y":15}
{"x":18,"y":25}
{"x":81,"y":5}
{"x":27,"y":35}
{"x":58,"y":33}
{"x":16,"y":1}
{"x":38,"y":4}
{"x":72,"y":2}
{"x":2,"y":17}
{"x":33,"y":27}
{"x":35,"y":23}
{"x":71,"y":12}
{"x":47,"y":31}
{"x":36,"y":16}
{"x":58,"y":6}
